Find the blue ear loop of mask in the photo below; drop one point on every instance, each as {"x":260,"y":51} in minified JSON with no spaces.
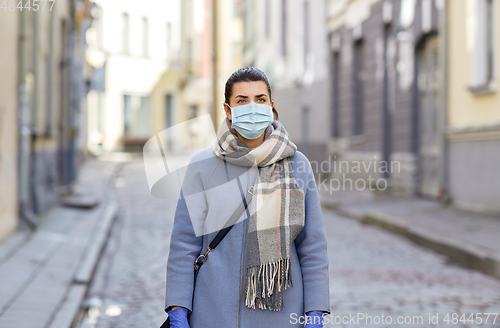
{"x":251,"y":120}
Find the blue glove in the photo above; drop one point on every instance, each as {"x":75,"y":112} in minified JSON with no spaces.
{"x":178,"y":318}
{"x":314,"y":319}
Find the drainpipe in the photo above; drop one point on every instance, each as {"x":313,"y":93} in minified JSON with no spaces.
{"x":444,"y":192}
{"x":214,"y":63}
{"x":24,"y":134}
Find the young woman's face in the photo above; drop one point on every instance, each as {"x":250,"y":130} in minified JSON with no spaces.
{"x":246,"y":92}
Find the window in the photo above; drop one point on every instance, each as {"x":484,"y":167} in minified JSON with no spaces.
{"x":192,"y":112}
{"x":238,"y":8}
{"x":125,"y":32}
{"x":335,"y":94}
{"x":96,"y":12}
{"x":100,"y":111}
{"x":247,"y":31}
{"x":189,"y":45}
{"x":145,"y":44}
{"x":169,"y":110}
{"x":483,"y":56}
{"x":490,"y":39}
{"x":267,"y":13}
{"x":305,"y":130}
{"x":136,"y":116}
{"x":358,"y":79}
{"x":169,"y":42}
{"x":283,"y":28}
{"x":306,"y":32}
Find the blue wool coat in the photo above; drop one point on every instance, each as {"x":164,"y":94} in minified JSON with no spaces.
{"x":218,"y":298}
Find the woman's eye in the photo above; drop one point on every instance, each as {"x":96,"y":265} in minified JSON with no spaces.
{"x":262,"y":100}
{"x":241,"y":101}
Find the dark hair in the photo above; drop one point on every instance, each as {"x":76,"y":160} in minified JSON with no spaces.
{"x":247,"y":74}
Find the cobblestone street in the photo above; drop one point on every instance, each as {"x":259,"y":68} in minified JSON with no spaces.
{"x":372,"y":271}
{"x":375,"y":272}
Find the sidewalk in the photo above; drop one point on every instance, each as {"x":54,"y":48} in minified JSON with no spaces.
{"x":469,"y":238}
{"x":44,"y":274}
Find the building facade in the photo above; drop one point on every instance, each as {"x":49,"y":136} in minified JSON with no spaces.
{"x":473,"y":104}
{"x":40,"y":134}
{"x":211,"y":50}
{"x":287,"y":39}
{"x":8,"y":123}
{"x":130,"y":48}
{"x":387,"y":98}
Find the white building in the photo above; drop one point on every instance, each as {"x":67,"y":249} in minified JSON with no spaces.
{"x":131,"y":46}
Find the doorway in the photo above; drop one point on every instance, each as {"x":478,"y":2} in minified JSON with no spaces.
{"x":427,"y":108}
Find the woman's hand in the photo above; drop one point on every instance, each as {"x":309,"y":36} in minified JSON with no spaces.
{"x":178,"y":317}
{"x":314,"y":319}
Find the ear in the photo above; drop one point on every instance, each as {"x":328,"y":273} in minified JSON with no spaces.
{"x":275,"y":112}
{"x":228,"y":111}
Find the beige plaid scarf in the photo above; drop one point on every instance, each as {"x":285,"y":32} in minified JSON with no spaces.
{"x":280,"y":215}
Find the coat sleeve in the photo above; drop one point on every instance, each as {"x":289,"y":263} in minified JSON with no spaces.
{"x":311,"y":245}
{"x":185,"y":246}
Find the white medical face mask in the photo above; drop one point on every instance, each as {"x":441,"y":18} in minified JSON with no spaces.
{"x":252,"y":119}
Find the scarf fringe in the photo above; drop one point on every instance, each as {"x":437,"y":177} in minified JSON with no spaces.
{"x":266,"y":283}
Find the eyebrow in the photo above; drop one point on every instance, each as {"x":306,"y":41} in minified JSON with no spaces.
{"x":261,"y":95}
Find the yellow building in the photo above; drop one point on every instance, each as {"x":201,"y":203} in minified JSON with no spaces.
{"x":41,"y":91}
{"x":8,"y":122}
{"x":473,"y":103}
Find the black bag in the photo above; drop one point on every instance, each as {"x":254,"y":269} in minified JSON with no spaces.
{"x":229,"y":224}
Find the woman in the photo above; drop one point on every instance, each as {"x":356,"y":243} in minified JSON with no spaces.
{"x":246,"y":281}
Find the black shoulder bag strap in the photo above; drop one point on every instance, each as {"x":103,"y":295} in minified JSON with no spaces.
{"x":229,"y":224}
{"x":221,"y":234}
